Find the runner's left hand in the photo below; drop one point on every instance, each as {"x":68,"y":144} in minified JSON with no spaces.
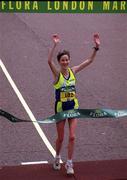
{"x":97,"y":39}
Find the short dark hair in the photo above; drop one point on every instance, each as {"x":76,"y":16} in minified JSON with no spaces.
{"x":61,"y":53}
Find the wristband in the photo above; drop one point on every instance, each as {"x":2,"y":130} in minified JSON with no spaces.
{"x":96,"y":48}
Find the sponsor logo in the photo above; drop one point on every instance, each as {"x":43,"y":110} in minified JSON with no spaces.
{"x":71,"y":114}
{"x":98,"y":113}
{"x":120,"y":113}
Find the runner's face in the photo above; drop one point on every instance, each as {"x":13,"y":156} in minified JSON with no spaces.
{"x":64,"y":61}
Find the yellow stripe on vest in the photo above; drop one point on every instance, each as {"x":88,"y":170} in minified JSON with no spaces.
{"x":62,"y":82}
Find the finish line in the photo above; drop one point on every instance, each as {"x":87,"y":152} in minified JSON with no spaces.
{"x":75,"y":113}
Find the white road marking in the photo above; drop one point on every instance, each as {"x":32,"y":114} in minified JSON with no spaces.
{"x":29,"y":112}
{"x":37,"y":162}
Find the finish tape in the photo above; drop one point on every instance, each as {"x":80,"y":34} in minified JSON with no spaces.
{"x":74,"y":113}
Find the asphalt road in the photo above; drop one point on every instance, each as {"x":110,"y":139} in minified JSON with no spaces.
{"x":24,"y":43}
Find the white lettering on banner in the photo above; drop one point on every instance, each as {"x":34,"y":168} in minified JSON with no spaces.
{"x":71,"y":115}
{"x":120,"y":113}
{"x":98,"y":114}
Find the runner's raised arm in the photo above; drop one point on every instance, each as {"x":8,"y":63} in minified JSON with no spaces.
{"x":91,"y":58}
{"x":51,"y":63}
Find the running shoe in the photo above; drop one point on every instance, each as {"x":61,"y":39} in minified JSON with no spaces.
{"x":69,"y":168}
{"x":56,"y":164}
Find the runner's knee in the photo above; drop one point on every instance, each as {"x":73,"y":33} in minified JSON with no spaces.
{"x":72,"y":138}
{"x":60,"y":140}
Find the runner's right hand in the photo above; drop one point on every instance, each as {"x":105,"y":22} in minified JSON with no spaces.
{"x":56,"y":39}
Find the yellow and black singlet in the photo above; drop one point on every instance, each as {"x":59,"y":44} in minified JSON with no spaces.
{"x":65,"y":93}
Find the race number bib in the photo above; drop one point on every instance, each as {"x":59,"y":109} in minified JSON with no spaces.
{"x":67,"y":96}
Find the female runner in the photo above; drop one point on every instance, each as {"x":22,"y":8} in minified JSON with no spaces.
{"x":65,"y":94}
